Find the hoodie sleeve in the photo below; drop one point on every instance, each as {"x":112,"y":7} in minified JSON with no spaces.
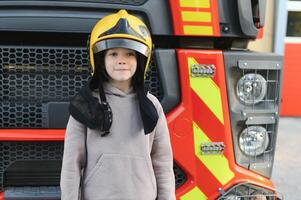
{"x":162,"y":159}
{"x":73,"y":160}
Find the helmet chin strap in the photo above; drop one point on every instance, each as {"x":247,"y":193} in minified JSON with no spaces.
{"x":102,"y":95}
{"x":107,"y":111}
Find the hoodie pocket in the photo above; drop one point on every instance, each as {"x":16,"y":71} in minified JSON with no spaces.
{"x":118,"y":176}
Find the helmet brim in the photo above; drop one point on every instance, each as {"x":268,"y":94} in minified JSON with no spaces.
{"x":121,"y":43}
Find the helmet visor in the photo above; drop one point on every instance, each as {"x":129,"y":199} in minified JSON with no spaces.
{"x":121,"y":43}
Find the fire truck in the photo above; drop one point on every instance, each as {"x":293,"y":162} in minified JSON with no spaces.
{"x":221,"y":100}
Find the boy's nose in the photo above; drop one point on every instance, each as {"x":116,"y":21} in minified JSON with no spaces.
{"x":122,"y":59}
{"x":121,"y":62}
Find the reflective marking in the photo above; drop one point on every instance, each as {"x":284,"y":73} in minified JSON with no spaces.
{"x":194,"y":194}
{"x":198,"y":30}
{"x":195,"y":3}
{"x":190,"y":16}
{"x":208,"y":91}
{"x":218,"y":165}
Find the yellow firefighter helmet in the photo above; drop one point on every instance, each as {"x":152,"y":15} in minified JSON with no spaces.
{"x":120,"y":30}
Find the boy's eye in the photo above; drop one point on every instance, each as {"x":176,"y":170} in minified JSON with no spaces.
{"x":113,"y":54}
{"x":131,"y":54}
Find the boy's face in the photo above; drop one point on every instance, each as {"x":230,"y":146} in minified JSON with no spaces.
{"x":120,"y":64}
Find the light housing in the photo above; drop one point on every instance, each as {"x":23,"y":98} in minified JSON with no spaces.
{"x":256,"y":105}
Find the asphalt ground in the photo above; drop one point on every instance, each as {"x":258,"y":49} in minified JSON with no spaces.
{"x":286,"y":173}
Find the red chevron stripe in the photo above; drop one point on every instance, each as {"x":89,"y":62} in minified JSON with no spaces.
{"x":206,"y":120}
{"x":205,"y":180}
{"x":215,"y":78}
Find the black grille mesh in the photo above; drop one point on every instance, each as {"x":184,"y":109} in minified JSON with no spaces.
{"x":19,"y":151}
{"x":23,"y":115}
{"x":42,"y":74}
{"x":180,"y":175}
{"x":152,"y":80}
{"x":30,"y":77}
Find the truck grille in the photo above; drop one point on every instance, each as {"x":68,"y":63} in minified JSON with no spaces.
{"x":31,"y":77}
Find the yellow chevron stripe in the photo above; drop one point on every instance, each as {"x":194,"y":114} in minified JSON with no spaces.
{"x":191,"y":16}
{"x":208,"y":91}
{"x":218,"y":165}
{"x":193,"y":194}
{"x":198,"y":30}
{"x":195,"y":3}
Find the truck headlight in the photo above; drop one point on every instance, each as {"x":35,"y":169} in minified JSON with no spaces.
{"x":251,"y":88}
{"x":253,"y":140}
{"x":246,"y":191}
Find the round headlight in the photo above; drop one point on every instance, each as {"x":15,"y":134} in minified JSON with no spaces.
{"x":251,"y":88}
{"x":254,"y":140}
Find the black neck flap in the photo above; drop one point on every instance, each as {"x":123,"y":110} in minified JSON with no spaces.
{"x":85,"y":108}
{"x":148,"y":111}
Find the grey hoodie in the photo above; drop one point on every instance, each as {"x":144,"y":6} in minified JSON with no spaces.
{"x":124,"y":165}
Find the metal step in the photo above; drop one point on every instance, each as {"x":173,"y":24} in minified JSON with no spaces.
{"x":32,"y":193}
